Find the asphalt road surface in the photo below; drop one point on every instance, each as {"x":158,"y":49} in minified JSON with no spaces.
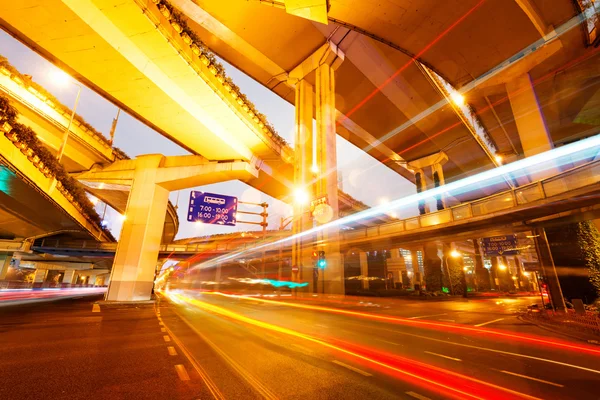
{"x":376,"y":349}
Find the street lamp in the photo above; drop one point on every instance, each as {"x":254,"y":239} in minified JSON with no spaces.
{"x":457,"y":98}
{"x":60,"y":78}
{"x":300,"y":196}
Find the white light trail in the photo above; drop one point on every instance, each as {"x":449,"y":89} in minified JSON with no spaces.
{"x":583,"y":149}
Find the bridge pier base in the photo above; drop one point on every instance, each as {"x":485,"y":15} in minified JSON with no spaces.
{"x":4,"y":264}
{"x":137,"y":252}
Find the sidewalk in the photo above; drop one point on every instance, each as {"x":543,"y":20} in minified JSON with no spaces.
{"x":63,"y":350}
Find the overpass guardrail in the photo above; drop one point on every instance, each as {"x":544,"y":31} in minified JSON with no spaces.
{"x":575,"y":178}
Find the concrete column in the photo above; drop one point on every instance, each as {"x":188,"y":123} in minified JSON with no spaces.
{"x":531,"y":125}
{"x":39,"y":277}
{"x":482,"y":275}
{"x":549,"y":269}
{"x":364,"y":269}
{"x":436,"y":168}
{"x":92,"y":280}
{"x":421,"y":185}
{"x":327,"y":182}
{"x":432,"y":265}
{"x":69,"y":277}
{"x":303,"y":176}
{"x":133,"y":269}
{"x":4,"y":264}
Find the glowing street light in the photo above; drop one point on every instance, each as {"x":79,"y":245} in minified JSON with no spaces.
{"x":454,"y":254}
{"x":60,"y":78}
{"x":457,"y":98}
{"x":502,"y":267}
{"x":314,"y":169}
{"x":498,"y":158}
{"x":300,"y":196}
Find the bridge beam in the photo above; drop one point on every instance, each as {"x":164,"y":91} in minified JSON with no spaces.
{"x":4,"y":264}
{"x":151,"y":178}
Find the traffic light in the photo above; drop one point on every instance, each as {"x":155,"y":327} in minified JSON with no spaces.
{"x":322,"y":262}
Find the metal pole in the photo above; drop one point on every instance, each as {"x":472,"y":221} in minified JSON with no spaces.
{"x":104,"y":212}
{"x":449,"y":278}
{"x":264,"y":232}
{"x":63,"y":145}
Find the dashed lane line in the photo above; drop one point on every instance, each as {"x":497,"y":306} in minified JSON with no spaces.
{"x":351,"y":368}
{"x":167,"y":338}
{"x":443,"y":356}
{"x":531,"y":378}
{"x":182,"y":372}
{"x":417,"y":396}
{"x":172,"y":351}
{"x":427,"y":316}
{"x":388,"y":342}
{"x":490,"y":322}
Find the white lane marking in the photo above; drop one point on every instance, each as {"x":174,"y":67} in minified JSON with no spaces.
{"x":351,"y":368}
{"x":492,"y":350}
{"x":446,"y":320}
{"x":441,"y":355}
{"x":172,"y":351}
{"x":163,"y":330}
{"x":96,"y":308}
{"x":533,"y":379}
{"x":182,"y":372}
{"x":167,"y":338}
{"x":388,"y":342}
{"x":427,"y":316}
{"x":490,"y":322}
{"x":417,"y":396}
{"x":321,"y":326}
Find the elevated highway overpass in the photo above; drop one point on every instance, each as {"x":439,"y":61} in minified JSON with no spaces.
{"x":384,"y":86}
{"x":85,"y":146}
{"x":180,"y":92}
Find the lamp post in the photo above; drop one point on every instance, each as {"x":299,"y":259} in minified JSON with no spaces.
{"x":61,"y":78}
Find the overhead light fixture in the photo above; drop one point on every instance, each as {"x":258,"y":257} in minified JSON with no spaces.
{"x":457,"y":98}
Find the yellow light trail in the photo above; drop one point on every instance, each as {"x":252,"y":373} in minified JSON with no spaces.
{"x":238,"y":317}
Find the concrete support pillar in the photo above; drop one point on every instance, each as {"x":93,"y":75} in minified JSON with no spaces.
{"x":302,"y":247}
{"x":92,"y":280}
{"x":327,"y":182}
{"x":4,"y":264}
{"x":421,"y":185}
{"x":69,"y":277}
{"x":482,"y":275}
{"x":415,"y":262}
{"x":432,"y":264}
{"x":364,"y":269}
{"x":39,"y":277}
{"x":435,"y":162}
{"x":531,"y":125}
{"x":438,"y":180}
{"x":133,"y":269}
{"x":549,"y":269}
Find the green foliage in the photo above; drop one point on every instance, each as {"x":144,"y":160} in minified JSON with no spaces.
{"x":179,"y":18}
{"x":49,"y":96}
{"x":27,"y":136}
{"x":588,"y":238}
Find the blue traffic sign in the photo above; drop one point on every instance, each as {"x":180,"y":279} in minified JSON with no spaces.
{"x":211,"y":208}
{"x":500,"y":246}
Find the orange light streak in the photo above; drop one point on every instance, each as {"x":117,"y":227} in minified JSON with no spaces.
{"x":424,"y":323}
{"x":439,"y":378}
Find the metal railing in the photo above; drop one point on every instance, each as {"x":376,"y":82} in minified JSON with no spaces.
{"x":573,"y":179}
{"x":166,"y":248}
{"x":590,"y":321}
